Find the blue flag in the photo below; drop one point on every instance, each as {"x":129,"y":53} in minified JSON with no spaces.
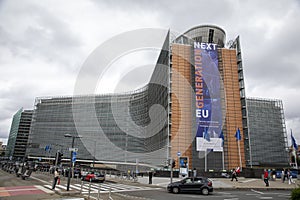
{"x":47,"y":148}
{"x":206,"y":135}
{"x":238,"y":135}
{"x":222,"y":137}
{"x":294,"y":142}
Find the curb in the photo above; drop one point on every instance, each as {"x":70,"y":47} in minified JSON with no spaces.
{"x":67,"y":193}
{"x":250,"y":188}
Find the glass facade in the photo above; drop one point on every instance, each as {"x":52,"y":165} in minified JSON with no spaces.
{"x":267,"y":132}
{"x":23,"y":133}
{"x":13,"y":134}
{"x":118,"y":128}
{"x":207,"y":33}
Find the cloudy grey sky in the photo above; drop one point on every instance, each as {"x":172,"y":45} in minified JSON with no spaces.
{"x":43,"y":45}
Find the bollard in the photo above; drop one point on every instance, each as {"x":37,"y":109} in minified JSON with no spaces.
{"x":98,"y":197}
{"x":89,"y":188}
{"x":81,"y":187}
{"x":109,"y":195}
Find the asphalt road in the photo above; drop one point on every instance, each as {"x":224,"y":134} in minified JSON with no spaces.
{"x":218,"y":195}
{"x":14,"y":188}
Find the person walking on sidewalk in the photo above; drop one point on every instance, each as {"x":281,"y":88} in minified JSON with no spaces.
{"x":150,"y":177}
{"x":285,"y":175}
{"x":266,"y":177}
{"x":56,"y":177}
{"x":290,"y":177}
{"x":233,"y":175}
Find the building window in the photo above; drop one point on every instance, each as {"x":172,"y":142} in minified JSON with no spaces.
{"x":210,"y":36}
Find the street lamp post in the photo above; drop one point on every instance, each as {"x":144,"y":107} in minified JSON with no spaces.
{"x":71,"y":165}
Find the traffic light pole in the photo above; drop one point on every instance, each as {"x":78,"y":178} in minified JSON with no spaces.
{"x":56,"y":159}
{"x":172,"y":166}
{"x":71,"y":165}
{"x":171,"y":174}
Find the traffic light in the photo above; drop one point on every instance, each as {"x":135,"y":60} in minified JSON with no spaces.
{"x":173,"y":163}
{"x":60,"y":155}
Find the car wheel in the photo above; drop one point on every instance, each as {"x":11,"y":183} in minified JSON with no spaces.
{"x":205,"y":191}
{"x":175,"y":190}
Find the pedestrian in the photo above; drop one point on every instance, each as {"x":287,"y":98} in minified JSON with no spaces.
{"x":266,"y":178}
{"x":273,"y":175}
{"x":290,"y":177}
{"x":233,"y":175}
{"x":285,"y":175}
{"x":56,"y":177}
{"x":150,"y":177}
{"x":238,"y":171}
{"x":194,"y":173}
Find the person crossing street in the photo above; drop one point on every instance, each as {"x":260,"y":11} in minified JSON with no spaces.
{"x":56,"y":178}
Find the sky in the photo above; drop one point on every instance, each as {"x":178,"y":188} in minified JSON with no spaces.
{"x":44,"y":44}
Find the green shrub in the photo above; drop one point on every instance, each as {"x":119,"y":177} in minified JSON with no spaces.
{"x":295,"y":194}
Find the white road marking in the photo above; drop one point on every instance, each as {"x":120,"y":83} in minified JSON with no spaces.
{"x":258,"y":192}
{"x":104,"y":188}
{"x":47,"y":182}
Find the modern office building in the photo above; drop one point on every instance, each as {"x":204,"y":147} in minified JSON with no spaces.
{"x":18,"y":137}
{"x":224,"y":81}
{"x":193,"y":111}
{"x":13,"y":134}
{"x":2,"y":149}
{"x":267,"y":133}
{"x":116,"y":129}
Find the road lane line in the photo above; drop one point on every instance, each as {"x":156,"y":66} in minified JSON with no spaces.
{"x":258,"y":192}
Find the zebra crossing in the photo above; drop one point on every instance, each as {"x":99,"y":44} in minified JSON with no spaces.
{"x":102,"y":187}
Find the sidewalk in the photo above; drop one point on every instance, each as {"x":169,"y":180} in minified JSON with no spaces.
{"x":254,"y":183}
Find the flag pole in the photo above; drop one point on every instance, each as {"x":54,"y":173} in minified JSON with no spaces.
{"x":205,"y":167}
{"x":222,"y":138}
{"x":294,"y":149}
{"x":240,"y":154}
{"x":223,"y":159}
{"x":205,"y":158}
{"x":295,"y":158}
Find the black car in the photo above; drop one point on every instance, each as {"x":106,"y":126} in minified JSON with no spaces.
{"x":190,"y":184}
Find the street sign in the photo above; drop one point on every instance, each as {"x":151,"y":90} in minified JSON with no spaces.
{"x":178,"y":153}
{"x":74,"y":156}
{"x":73,"y":149}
